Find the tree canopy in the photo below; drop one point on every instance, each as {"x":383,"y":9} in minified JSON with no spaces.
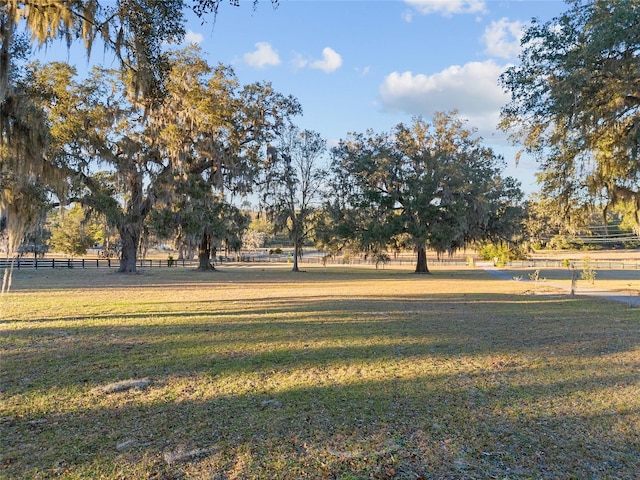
{"x":137,"y":32}
{"x":134,"y":30}
{"x":167,"y":129}
{"x":420,"y":185}
{"x":291,"y":184}
{"x":575,"y":102}
{"x":120,"y":159}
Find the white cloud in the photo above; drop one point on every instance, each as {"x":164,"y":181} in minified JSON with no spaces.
{"x":362,"y":71}
{"x":448,"y":8}
{"x":299,"y":62}
{"x":472,"y":89}
{"x":264,"y":55}
{"x":331,"y":61}
{"x":502,"y":38}
{"x":192,"y":37}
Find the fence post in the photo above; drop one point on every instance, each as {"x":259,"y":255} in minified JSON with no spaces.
{"x":574,"y":280}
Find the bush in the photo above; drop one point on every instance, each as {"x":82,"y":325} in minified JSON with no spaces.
{"x":499,"y":253}
{"x":588,"y":272}
{"x":381,"y":258}
{"x":559,"y":242}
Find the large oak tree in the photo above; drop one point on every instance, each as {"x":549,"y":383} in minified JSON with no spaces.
{"x":575,"y":103}
{"x":216,"y":132}
{"x":137,"y":33}
{"x":425,"y":185}
{"x":123,"y":157}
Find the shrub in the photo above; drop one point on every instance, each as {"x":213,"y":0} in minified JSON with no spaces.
{"x":588,"y":272}
{"x":499,"y":253}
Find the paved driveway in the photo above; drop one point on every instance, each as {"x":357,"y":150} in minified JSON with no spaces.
{"x":614,"y":296}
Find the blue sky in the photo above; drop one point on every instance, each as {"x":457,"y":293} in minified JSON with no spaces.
{"x":358,"y":65}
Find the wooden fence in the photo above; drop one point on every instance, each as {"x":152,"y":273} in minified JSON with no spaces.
{"x":48,"y":263}
{"x":597,"y":264}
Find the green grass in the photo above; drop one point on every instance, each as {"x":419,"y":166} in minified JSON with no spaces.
{"x":255,"y":372}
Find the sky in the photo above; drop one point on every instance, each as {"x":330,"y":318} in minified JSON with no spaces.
{"x":359,"y":65}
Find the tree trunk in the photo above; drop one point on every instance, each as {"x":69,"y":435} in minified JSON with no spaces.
{"x":421,"y":265}
{"x":130,"y":238}
{"x":204,"y":253}
{"x":296,"y":254}
{"x":8,"y":276}
{"x":131,"y":223}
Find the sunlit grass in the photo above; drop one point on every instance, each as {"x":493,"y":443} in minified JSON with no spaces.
{"x":255,"y":372}
{"x":623,"y":282}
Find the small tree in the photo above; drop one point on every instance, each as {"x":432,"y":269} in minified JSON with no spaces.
{"x":74,"y":231}
{"x":236,"y":223}
{"x":291,"y":185}
{"x":253,"y":239}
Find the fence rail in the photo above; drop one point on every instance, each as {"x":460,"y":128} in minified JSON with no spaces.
{"x":598,"y":264}
{"x":49,"y":263}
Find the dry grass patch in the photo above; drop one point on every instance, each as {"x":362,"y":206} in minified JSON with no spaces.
{"x":255,"y":372}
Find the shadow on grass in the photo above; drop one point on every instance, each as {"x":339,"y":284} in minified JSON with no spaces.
{"x":257,"y":307}
{"x":288,"y":333}
{"x":64,"y":279}
{"x":438,"y":386}
{"x":434,"y":426}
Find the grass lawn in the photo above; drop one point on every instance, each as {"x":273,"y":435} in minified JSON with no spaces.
{"x":341,"y":373}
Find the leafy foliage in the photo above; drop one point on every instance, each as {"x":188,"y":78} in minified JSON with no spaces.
{"x":214,"y":133}
{"x":137,"y":32}
{"x":421,"y":185}
{"x":499,"y":252}
{"x":75,"y":231}
{"x":575,"y":100}
{"x":291,"y":185}
{"x":122,"y":158}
